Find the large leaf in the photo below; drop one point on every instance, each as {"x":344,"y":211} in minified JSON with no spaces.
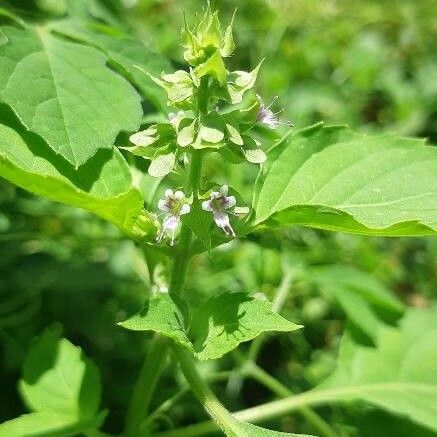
{"x":332,"y":178}
{"x":102,"y":186}
{"x":126,"y":52}
{"x":399,"y":375}
{"x":65,"y":93}
{"x":219,"y":325}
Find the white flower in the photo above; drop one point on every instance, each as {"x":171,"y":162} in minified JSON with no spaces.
{"x":173,"y":205}
{"x":268,"y":117}
{"x":220,"y":204}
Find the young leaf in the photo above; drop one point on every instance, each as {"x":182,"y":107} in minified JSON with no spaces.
{"x":211,"y":129}
{"x":160,"y":314}
{"x":331,"y":178}
{"x":103,"y":186}
{"x":227,"y":320}
{"x":186,"y":134}
{"x":213,"y":66}
{"x":162,"y":165}
{"x":65,"y":93}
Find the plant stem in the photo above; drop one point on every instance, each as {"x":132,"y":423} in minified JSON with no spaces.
{"x":212,"y":405}
{"x":260,"y":413}
{"x":170,"y":402}
{"x":145,"y":385}
{"x":155,"y":358}
{"x":283,"y":391}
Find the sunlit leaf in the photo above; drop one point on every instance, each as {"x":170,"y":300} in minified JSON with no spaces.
{"x":103,"y":186}
{"x":227,"y":320}
{"x":65,"y":93}
{"x":332,"y":178}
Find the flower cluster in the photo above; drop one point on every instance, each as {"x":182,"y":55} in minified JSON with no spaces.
{"x":175,"y":204}
{"x":217,"y":109}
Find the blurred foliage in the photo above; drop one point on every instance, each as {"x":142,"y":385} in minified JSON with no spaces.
{"x":370,"y":64}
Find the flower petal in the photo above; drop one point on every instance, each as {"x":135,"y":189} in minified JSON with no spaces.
{"x":206,"y":205}
{"x":168,"y":193}
{"x":171,"y":222}
{"x":230,"y":202}
{"x":179,"y":195}
{"x":185,"y":209}
{"x":221,"y":219}
{"x":162,"y":205}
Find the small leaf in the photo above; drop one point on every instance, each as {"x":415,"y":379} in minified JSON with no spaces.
{"x":228,"y":40}
{"x":186,"y":135}
{"x":162,"y":165}
{"x":227,"y":320}
{"x":214,"y":66}
{"x":211,"y":129}
{"x":144,"y":138}
{"x":58,"y":378}
{"x":255,"y":156}
{"x":234,"y":135}
{"x":241,"y":81}
{"x":160,"y":314}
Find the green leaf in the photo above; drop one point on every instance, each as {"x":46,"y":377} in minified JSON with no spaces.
{"x":241,"y":81}
{"x":361,"y":283}
{"x":398,"y":375}
{"x":227,"y":320}
{"x":59,"y":379}
{"x":47,"y":424}
{"x":211,"y":129}
{"x":234,"y":135}
{"x":219,"y":325}
{"x":65,"y":93}
{"x":359,"y":294}
{"x":331,"y":178}
{"x":250,"y":430}
{"x":162,"y":165}
{"x":214,"y":66}
{"x":103,"y":186}
{"x":160,"y":314}
{"x":186,"y":135}
{"x":124,"y":51}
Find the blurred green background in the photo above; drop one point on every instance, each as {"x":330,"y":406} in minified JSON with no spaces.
{"x":369,"y":64}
